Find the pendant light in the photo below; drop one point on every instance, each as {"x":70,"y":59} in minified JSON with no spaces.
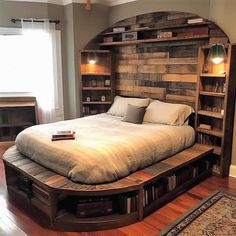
{"x":217,"y":53}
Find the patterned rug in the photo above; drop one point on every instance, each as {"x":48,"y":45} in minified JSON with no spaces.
{"x":214,"y":216}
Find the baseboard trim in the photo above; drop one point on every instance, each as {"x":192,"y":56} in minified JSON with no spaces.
{"x":232,"y":171}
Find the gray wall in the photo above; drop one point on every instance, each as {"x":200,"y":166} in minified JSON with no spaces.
{"x":86,"y":24}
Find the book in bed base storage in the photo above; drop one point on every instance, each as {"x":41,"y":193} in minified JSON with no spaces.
{"x":61,"y":204}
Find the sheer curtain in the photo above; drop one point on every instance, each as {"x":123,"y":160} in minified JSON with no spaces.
{"x":44,"y":68}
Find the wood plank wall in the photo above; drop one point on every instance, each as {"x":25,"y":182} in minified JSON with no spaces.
{"x":163,"y":70}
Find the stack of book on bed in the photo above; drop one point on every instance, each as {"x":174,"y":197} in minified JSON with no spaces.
{"x":63,"y":135}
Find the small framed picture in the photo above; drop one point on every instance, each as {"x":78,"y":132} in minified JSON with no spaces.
{"x":94,"y":83}
{"x":88,"y":99}
{"x":103,"y":98}
{"x":107,"y":82}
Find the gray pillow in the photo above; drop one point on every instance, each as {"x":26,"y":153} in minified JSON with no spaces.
{"x":134,"y":114}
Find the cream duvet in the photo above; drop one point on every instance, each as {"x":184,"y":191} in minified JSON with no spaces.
{"x":105,"y":148}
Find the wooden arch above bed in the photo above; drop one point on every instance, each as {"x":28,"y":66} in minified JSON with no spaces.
{"x":162,"y":62}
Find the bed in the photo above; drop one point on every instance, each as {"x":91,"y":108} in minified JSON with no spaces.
{"x":105,"y":147}
{"x":117,"y":161}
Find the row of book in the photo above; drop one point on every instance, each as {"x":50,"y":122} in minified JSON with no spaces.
{"x":208,"y":139}
{"x":126,"y":203}
{"x":154,"y":191}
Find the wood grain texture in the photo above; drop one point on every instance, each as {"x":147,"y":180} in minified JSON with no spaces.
{"x":168,"y":60}
{"x":150,"y":225}
{"x":57,"y":187}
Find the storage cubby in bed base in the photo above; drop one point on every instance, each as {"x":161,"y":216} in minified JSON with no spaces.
{"x":70,"y":206}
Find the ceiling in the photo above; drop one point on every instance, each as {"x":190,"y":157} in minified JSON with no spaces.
{"x":65,"y":2}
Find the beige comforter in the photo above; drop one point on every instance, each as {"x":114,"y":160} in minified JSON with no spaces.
{"x":105,"y":148}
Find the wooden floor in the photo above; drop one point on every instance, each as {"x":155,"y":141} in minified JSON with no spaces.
{"x":13,"y":221}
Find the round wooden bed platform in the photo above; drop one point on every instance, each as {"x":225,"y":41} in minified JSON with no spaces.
{"x":61,"y":204}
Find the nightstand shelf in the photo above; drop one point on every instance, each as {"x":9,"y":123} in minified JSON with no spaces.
{"x":97,"y":82}
{"x":214,"y":104}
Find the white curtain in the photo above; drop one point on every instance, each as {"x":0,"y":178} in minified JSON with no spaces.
{"x":44,"y":68}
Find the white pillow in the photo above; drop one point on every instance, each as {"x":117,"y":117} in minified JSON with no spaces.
{"x":167,"y":113}
{"x":120,"y":104}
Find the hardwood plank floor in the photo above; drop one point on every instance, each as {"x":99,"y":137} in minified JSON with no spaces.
{"x":15,"y":220}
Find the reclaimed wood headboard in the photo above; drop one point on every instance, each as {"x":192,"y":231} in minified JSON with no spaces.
{"x":165,"y":69}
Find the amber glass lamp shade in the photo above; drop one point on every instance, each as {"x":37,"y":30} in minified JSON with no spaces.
{"x":217,"y":53}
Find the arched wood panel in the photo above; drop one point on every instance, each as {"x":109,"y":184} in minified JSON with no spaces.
{"x":167,"y":69}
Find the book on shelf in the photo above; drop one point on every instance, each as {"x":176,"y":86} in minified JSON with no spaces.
{"x":127,"y":203}
{"x":63,"y":135}
{"x":195,"y":20}
{"x":118,"y":29}
{"x":205,"y":126}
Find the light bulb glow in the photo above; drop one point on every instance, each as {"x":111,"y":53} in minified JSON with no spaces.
{"x":217,"y":53}
{"x":92,"y":62}
{"x":217,"y":60}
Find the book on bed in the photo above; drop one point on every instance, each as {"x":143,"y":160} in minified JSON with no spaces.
{"x":63,"y":135}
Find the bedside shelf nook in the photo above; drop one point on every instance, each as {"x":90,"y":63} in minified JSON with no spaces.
{"x":97,"y":82}
{"x":214,"y":101}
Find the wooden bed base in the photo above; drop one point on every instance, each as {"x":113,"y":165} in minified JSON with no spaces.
{"x":58,"y":202}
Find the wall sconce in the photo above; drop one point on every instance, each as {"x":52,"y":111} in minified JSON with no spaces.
{"x":92,"y":58}
{"x":217,"y":53}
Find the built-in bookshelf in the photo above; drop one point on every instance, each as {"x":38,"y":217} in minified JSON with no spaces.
{"x":97,"y":81}
{"x":214,"y":105}
{"x":16,"y":114}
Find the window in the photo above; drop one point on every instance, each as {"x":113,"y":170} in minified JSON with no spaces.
{"x":31,"y":63}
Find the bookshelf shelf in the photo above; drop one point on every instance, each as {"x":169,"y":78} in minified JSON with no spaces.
{"x":97,"y":103}
{"x":17,"y":124}
{"x":217,"y":150}
{"x":195,"y":37}
{"x":96,"y":88}
{"x":143,"y":29}
{"x":211,"y":114}
{"x":68,"y":217}
{"x":96,"y":73}
{"x":216,"y":75}
{"x":213,"y":132}
{"x":212,"y":94}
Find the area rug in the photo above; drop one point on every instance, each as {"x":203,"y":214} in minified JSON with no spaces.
{"x":214,"y":216}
